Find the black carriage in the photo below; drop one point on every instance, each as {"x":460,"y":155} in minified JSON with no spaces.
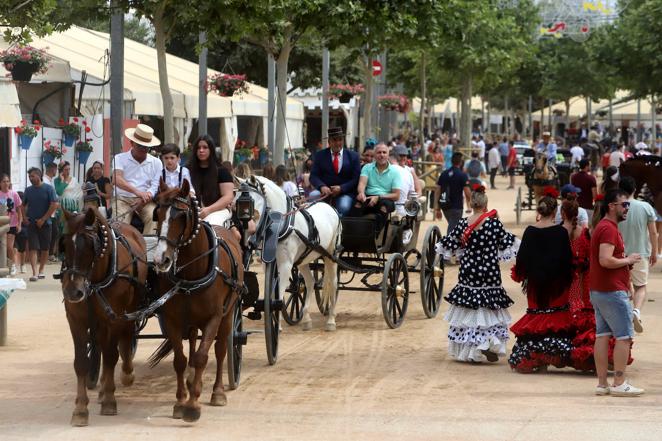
{"x":366,"y":252}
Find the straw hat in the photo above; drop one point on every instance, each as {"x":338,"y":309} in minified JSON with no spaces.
{"x":142,"y":134}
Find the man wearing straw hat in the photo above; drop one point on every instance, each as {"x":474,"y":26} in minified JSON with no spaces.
{"x":136,"y":177}
{"x":335,"y":173}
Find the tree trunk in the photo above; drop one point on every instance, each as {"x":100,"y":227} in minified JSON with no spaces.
{"x":430,"y":112}
{"x":367,"y":104}
{"x":567,"y":117}
{"x":281,"y":101}
{"x":465,"y":118}
{"x":421,"y":116}
{"x":159,"y":22}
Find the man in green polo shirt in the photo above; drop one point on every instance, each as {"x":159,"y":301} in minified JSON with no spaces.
{"x":379,"y":186}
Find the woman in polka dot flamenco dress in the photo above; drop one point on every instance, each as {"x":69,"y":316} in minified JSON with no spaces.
{"x":478,"y":315}
{"x":544,"y":267}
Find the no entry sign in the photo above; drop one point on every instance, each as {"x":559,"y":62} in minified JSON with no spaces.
{"x":376,"y":68}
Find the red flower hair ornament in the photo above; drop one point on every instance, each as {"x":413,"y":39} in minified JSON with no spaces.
{"x":599,"y":198}
{"x":478,"y":188}
{"x":550,"y":191}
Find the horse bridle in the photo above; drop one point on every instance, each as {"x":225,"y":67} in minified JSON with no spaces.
{"x":191,"y":207}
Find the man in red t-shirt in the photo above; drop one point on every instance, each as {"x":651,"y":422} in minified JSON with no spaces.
{"x":586,"y":182}
{"x":610,"y":286}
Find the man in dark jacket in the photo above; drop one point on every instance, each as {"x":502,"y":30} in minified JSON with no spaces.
{"x":335,"y":173}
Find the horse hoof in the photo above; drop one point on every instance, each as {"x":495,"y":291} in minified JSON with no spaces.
{"x":127,"y":379}
{"x":307,"y":326}
{"x":330,"y":327}
{"x":218,"y":399}
{"x":109,"y":409}
{"x":80,"y":419}
{"x":191,"y":414}
{"x":178,"y":411}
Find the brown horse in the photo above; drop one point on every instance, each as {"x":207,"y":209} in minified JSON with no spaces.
{"x":542,"y":175}
{"x":104,"y":267}
{"x":646,"y":170}
{"x":205,"y":262}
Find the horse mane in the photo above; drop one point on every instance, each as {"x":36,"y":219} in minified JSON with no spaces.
{"x":276,"y":197}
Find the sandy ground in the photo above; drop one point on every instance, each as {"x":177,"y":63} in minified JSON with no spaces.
{"x":362,"y":382}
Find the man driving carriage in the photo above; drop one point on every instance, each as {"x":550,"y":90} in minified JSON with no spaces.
{"x":548,"y":147}
{"x":136,"y":177}
{"x":335,"y":173}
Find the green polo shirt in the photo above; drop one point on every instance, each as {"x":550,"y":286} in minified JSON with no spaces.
{"x":381,"y":183}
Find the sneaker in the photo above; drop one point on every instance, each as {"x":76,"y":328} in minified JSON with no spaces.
{"x":12,"y":271}
{"x":492,"y":357}
{"x":42,"y":276}
{"x":52,"y":259}
{"x":406,"y":236}
{"x":33,"y":278}
{"x":602,"y":390}
{"x":636,"y":321}
{"x":625,"y":390}
{"x":22,"y":269}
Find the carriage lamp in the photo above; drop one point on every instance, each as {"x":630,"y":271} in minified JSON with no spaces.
{"x":412,"y":206}
{"x":244,"y":205}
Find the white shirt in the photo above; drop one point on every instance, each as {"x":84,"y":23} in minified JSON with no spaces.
{"x":144,"y":176}
{"x":616,"y":158}
{"x":406,"y":187}
{"x":577,"y":154}
{"x":481,"y":145}
{"x":172,"y":177}
{"x":493,"y":158}
{"x":340,"y":153}
{"x":290,"y":188}
{"x":582,"y":216}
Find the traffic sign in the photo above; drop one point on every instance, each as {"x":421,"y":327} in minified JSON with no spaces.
{"x":376,"y":68}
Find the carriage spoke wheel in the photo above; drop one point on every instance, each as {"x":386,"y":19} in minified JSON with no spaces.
{"x":272,"y":307}
{"x":295,"y":296}
{"x":432,"y":273}
{"x":94,"y":365}
{"x":395,"y":290}
{"x":318,"y":278}
{"x":236,"y":342}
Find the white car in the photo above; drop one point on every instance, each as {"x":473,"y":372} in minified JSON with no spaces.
{"x":520,"y":148}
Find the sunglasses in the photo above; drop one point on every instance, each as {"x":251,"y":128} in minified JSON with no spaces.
{"x":625,"y":205}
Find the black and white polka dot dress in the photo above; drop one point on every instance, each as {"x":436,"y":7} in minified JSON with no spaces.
{"x":478,"y":315}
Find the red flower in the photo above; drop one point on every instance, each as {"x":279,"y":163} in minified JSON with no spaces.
{"x":60,"y":122}
{"x":84,"y":123}
{"x":478,"y":188}
{"x":599,"y":198}
{"x":550,"y":191}
{"x":37,"y":128}
{"x":18,"y":130}
{"x":87,"y":129}
{"x":23,"y":122}
{"x":75,"y":120}
{"x":37,"y":122}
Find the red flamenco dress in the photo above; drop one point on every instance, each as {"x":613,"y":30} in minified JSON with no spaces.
{"x":583,"y":315}
{"x":544,"y":334}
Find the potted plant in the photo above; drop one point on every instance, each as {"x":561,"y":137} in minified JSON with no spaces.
{"x":84,"y":149}
{"x":345,"y":92}
{"x":26,"y":133}
{"x":399,"y":103}
{"x":51,"y":153}
{"x":71,"y":131}
{"x":24,"y":61}
{"x":227,"y":85}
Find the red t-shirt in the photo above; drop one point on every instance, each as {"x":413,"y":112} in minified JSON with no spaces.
{"x":586,"y":183}
{"x":605,"y":279}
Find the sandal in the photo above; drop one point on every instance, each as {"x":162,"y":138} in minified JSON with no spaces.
{"x":33,"y":278}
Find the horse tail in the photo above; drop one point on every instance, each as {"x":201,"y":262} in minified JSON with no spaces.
{"x":161,"y":352}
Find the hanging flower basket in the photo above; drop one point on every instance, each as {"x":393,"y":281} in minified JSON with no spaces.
{"x":398,"y":103}
{"x":26,"y":133}
{"x":227,"y":85}
{"x":51,"y":152}
{"x":345,"y":92}
{"x":71,"y":131}
{"x":24,"y":61}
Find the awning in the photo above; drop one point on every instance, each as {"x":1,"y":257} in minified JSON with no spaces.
{"x":10,"y":111}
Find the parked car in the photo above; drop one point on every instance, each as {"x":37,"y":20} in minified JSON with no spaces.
{"x":523,"y":160}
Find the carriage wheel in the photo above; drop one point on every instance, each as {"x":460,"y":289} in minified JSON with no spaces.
{"x":518,"y":205}
{"x":272,"y":307}
{"x":296,"y":295}
{"x":432,"y":273}
{"x":318,"y":277}
{"x":94,"y":365}
{"x":395,"y":290}
{"x":236,"y":342}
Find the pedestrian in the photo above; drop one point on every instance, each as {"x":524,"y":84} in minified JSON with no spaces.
{"x":504,"y":149}
{"x":282,"y":179}
{"x":49,"y":178}
{"x":494,"y":162}
{"x":212,"y":183}
{"x":478,"y":317}
{"x":39,"y":204}
{"x":570,"y":193}
{"x":451,"y":191}
{"x":102,"y":184}
{"x":475,"y":169}
{"x":69,"y":193}
{"x":303,"y":179}
{"x":640,"y":237}
{"x":511,"y":164}
{"x":585,"y":181}
{"x":617,"y":157}
{"x":136,"y":178}
{"x":609,"y":285}
{"x":10,"y":199}
{"x":544,"y":268}
{"x":609,"y":180}
{"x":21,"y":240}
{"x":447,"y":150}
{"x":577,"y":153}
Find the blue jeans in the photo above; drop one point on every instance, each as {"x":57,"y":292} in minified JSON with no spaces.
{"x":613,"y":314}
{"x":343,"y":203}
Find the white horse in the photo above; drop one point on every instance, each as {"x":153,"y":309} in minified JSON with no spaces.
{"x":329,"y":229}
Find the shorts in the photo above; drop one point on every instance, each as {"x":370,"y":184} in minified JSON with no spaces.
{"x":39,"y":239}
{"x":613,"y":314}
{"x":639,"y":273}
{"x":511,"y":171}
{"x":21,"y":240}
{"x":13,"y":231}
